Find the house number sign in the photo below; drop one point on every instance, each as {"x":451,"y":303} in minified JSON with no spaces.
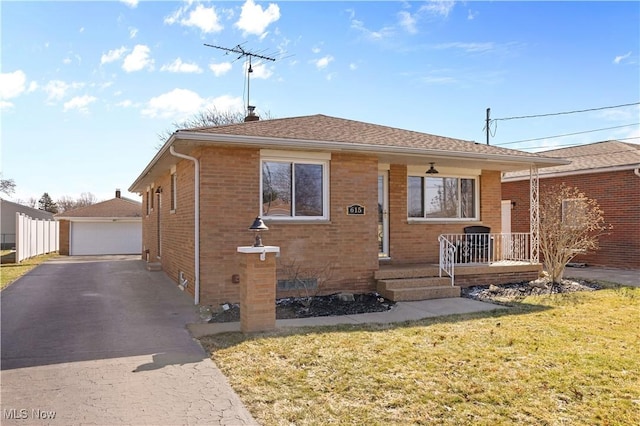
{"x":355,"y":210}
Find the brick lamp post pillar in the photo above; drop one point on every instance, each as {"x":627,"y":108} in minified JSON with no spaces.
{"x":258,"y":288}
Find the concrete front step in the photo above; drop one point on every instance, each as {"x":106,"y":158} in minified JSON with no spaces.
{"x":399,"y":283}
{"x":407,"y":271}
{"x":420,"y":293}
{"x":154,"y":266}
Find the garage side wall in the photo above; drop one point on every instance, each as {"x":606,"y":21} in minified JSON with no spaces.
{"x":64,"y":236}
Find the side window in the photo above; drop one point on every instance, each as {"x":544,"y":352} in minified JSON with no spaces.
{"x":174,"y":195}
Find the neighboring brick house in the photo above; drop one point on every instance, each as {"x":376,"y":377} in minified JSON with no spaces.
{"x":608,"y":172}
{"x":109,"y":227}
{"x":308,"y":178}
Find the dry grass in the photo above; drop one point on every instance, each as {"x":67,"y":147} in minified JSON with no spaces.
{"x":9,"y":272}
{"x":552,"y":360}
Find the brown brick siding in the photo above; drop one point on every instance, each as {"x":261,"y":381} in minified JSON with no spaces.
{"x":230,"y":201}
{"x":418,"y":242}
{"x":64,"y":237}
{"x":617,"y":193}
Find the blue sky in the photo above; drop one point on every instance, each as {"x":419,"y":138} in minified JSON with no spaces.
{"x":86,"y":87}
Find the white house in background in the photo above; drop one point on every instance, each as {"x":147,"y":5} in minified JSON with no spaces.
{"x":109,"y":227}
{"x":8,"y":210}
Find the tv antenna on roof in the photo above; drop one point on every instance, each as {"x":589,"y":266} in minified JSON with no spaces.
{"x":244,"y":53}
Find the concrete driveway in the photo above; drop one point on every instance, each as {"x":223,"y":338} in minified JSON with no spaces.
{"x":103,"y":341}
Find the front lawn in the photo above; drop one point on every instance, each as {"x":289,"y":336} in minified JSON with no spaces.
{"x":562,"y":359}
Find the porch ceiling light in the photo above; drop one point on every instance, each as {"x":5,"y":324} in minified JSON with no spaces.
{"x":258,"y":226}
{"x":432,"y":170}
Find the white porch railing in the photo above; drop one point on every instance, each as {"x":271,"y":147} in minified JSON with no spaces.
{"x":447,"y":257}
{"x":459,"y":249}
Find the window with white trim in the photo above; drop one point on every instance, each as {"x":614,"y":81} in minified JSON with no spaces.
{"x":574,"y":212}
{"x":174,"y":190}
{"x":148,"y":201}
{"x":294,"y":188}
{"x":442,"y":198}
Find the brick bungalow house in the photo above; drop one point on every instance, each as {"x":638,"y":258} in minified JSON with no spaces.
{"x":608,"y":172}
{"x":336,"y":194}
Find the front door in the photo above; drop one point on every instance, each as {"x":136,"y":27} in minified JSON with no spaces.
{"x":383,"y":214}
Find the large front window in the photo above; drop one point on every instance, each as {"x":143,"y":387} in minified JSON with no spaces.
{"x":294,"y":189}
{"x":442,"y":197}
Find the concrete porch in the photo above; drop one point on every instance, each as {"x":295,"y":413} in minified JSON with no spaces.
{"x":422,"y":281}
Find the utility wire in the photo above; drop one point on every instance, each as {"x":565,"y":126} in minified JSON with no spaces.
{"x":564,"y":113}
{"x":566,"y":134}
{"x":569,"y":145}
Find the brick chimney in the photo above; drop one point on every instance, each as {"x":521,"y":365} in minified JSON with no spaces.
{"x":118,"y":193}
{"x":251,"y":116}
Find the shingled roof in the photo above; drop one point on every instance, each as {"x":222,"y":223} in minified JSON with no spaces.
{"x":323,"y":128}
{"x":114,"y":208}
{"x":330,"y":134}
{"x":590,"y":158}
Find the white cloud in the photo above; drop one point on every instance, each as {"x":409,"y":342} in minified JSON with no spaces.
{"x":12,"y":84}
{"x":261,"y":70}
{"x":58,"y":89}
{"x":323,"y":62}
{"x":315,"y":50}
{"x":468,"y":47}
{"x":133,"y":32}
{"x":439,"y":7}
{"x":5,"y":105}
{"x":383,"y":33}
{"x":471,"y":15}
{"x":183,"y":67}
{"x":33,"y":86}
{"x":621,"y":58}
{"x":407,"y":21}
{"x":112,"y":55}
{"x":204,"y":18}
{"x":138,"y":59}
{"x":255,"y":20}
{"x":353,"y":66}
{"x":131,"y":3}
{"x":79,"y":103}
{"x":177,"y":104}
{"x":180,"y":104}
{"x":220,"y":69}
{"x":125,"y":104}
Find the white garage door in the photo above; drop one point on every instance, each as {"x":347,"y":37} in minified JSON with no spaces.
{"x":89,"y":238}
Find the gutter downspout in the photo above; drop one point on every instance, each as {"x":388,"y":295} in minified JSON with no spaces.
{"x":196,"y":180}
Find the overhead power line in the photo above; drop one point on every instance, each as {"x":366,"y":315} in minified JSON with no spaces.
{"x":565,"y":112}
{"x":567,"y":134}
{"x":570,"y":145}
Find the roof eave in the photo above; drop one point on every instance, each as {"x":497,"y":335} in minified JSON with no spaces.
{"x":282,"y":143}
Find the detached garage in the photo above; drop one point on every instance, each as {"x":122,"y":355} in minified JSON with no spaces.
{"x":109,"y":227}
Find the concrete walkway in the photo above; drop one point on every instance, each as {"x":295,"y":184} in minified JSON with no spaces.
{"x":619,"y":276}
{"x":102,"y":341}
{"x":401,"y":312}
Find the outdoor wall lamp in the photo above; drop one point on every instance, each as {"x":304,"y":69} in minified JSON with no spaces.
{"x":258,"y":226}
{"x":432,"y":170}
{"x":159,"y":190}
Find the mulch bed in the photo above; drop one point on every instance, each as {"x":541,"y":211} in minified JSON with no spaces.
{"x":335,"y":304}
{"x":319,"y":306}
